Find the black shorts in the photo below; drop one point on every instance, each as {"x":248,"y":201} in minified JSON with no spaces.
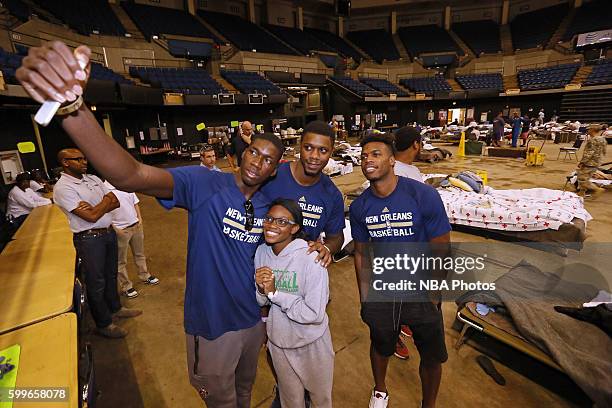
{"x":425,"y":321}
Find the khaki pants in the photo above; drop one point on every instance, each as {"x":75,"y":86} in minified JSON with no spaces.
{"x":134,"y":238}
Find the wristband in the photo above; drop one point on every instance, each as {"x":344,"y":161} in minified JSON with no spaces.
{"x":73,"y":107}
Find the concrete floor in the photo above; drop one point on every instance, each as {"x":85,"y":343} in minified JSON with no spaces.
{"x":148,"y":368}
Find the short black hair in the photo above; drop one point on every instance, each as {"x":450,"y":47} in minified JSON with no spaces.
{"x":405,"y":137}
{"x":296,"y":213}
{"x":385,"y":138}
{"x":272,"y":138}
{"x":320,"y":128}
{"x":22,"y":177}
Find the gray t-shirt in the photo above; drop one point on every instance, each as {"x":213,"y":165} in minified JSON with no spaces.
{"x":407,"y":170}
{"x":70,"y":191}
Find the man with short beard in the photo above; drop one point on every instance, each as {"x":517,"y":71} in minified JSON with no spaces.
{"x":321,"y":201}
{"x":223,"y":328}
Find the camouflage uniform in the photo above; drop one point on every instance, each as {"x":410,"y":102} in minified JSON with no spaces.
{"x":594,"y":151}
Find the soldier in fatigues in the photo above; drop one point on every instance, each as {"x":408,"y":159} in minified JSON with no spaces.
{"x":594,"y":152}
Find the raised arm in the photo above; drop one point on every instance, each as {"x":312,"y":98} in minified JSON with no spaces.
{"x":52,"y":72}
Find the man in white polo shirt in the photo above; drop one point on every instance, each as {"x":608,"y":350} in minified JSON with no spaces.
{"x":22,"y":200}
{"x":87,"y":204}
{"x":127,"y":222}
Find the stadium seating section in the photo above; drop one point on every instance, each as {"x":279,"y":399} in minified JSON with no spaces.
{"x":183,"y":80}
{"x":427,"y":39}
{"x":298,"y":39}
{"x":85,"y":17}
{"x":159,"y":20}
{"x":426,"y":85}
{"x":378,"y":44}
{"x":17,"y":8}
{"x":336,"y":43}
{"x":547,"y":78}
{"x":244,"y":34}
{"x":601,"y":74}
{"x":9,"y":63}
{"x":189,"y":49}
{"x":330,"y":61}
{"x":593,"y":16}
{"x":99,"y":71}
{"x":355,"y":86}
{"x":250,"y":82}
{"x":481,"y":81}
{"x":481,"y":36}
{"x":383,"y":86}
{"x":533,"y":29}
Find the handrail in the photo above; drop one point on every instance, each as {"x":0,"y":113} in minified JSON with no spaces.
{"x":154,"y":62}
{"x":415,"y":76}
{"x":373,"y":75}
{"x":29,"y":40}
{"x":261,"y":68}
{"x":548,"y":64}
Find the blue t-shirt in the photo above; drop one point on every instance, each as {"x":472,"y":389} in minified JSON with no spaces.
{"x":220,"y":288}
{"x":322,"y":204}
{"x":413,"y":212}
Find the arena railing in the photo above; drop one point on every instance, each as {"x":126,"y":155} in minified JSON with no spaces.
{"x":262,"y":68}
{"x":549,"y":64}
{"x":27,"y":40}
{"x":154,"y":63}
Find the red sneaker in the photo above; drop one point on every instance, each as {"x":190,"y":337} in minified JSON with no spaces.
{"x":406,"y":331}
{"x":401,"y":351}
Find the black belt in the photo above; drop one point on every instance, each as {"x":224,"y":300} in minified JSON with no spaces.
{"x":94,"y":231}
{"x":133,"y":225}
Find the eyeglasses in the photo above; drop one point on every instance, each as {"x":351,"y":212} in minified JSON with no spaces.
{"x":249,"y":214}
{"x":281,"y":222}
{"x":79,"y":159}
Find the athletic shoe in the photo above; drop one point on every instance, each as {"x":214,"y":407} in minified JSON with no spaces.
{"x":406,"y":331}
{"x":379,"y":399}
{"x":112,"y":331}
{"x":151,"y":280}
{"x":125,"y":312}
{"x":131,"y":293}
{"x":401,"y":351}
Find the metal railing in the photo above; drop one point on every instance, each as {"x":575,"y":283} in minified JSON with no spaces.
{"x":549,"y":64}
{"x":262,"y":68}
{"x":373,"y":75}
{"x":154,"y":62}
{"x":28,"y":40}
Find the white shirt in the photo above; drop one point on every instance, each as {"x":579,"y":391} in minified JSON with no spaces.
{"x":21,"y":202}
{"x":407,"y":170}
{"x":126,"y":214}
{"x":35,"y":186}
{"x":70,"y":191}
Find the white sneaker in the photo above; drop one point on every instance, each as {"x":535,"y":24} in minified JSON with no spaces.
{"x":379,"y":399}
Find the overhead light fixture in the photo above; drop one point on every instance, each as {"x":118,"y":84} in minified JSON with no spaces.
{"x":155,"y":37}
{"x":93,"y":108}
